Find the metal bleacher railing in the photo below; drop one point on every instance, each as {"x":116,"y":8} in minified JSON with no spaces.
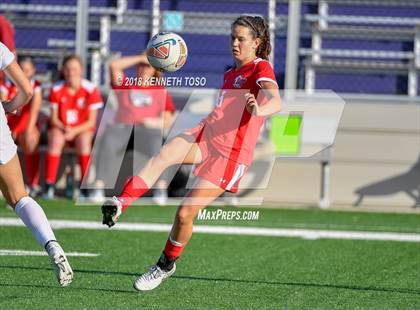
{"x":372,"y":28}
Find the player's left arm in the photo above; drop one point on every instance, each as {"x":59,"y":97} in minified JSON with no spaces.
{"x":273,"y":104}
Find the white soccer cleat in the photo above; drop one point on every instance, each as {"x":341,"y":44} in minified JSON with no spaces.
{"x":60,"y":264}
{"x":152,"y":279}
{"x":111,"y":211}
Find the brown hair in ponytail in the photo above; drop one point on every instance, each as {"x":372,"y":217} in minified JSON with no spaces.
{"x":259,"y":29}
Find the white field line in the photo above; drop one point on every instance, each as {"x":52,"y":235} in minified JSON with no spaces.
{"x":232,"y":230}
{"x":4,"y":252}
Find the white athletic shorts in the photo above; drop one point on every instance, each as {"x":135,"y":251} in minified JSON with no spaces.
{"x":7,"y":145}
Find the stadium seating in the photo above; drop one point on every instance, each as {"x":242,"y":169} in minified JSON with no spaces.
{"x":209,"y":50}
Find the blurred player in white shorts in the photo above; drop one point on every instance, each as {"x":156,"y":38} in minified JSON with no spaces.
{"x":11,"y":179}
{"x":7,"y":145}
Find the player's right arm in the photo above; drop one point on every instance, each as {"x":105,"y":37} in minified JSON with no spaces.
{"x":25,"y":91}
{"x":118,"y":66}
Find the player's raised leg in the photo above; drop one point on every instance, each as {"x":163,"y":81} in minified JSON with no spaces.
{"x":31,"y":213}
{"x":179,"y":150}
{"x":202,"y":195}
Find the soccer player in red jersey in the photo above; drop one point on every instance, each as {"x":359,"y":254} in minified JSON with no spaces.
{"x":24,"y":125}
{"x":221,"y":147}
{"x":74,"y":104}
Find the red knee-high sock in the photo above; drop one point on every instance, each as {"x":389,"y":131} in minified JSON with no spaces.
{"x":32,"y":168}
{"x":83,"y":161}
{"x":173,"y":249}
{"x":52,"y":163}
{"x":134,"y":188}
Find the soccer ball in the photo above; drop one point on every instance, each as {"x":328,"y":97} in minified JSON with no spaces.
{"x":167,"y":52}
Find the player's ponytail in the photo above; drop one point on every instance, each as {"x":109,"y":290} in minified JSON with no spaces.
{"x":259,"y":29}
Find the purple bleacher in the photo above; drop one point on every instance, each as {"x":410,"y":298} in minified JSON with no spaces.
{"x":282,"y":8}
{"x":367,"y":83}
{"x":217,"y":6}
{"x":361,"y":83}
{"x":46,"y":2}
{"x":128,"y":43}
{"x":215,"y":44}
{"x":280,"y":59}
{"x":37,"y":38}
{"x":363,"y":45}
{"x":139,"y":5}
{"x":103,"y":3}
{"x":393,"y":11}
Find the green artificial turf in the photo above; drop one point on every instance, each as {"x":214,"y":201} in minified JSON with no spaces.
{"x":219,"y":271}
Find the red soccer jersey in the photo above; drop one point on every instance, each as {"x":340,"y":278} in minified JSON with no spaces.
{"x":7,"y":37}
{"x":18,"y":122}
{"x":7,"y":33}
{"x":136,"y":103}
{"x":73,"y":109}
{"x":230,"y":128}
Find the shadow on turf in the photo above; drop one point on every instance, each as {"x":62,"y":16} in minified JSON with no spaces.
{"x":315,"y":285}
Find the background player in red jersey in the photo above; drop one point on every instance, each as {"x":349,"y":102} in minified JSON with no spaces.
{"x":74,"y":103}
{"x":148,"y":108}
{"x":221,"y":148}
{"x":7,"y":37}
{"x":23,"y":124}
